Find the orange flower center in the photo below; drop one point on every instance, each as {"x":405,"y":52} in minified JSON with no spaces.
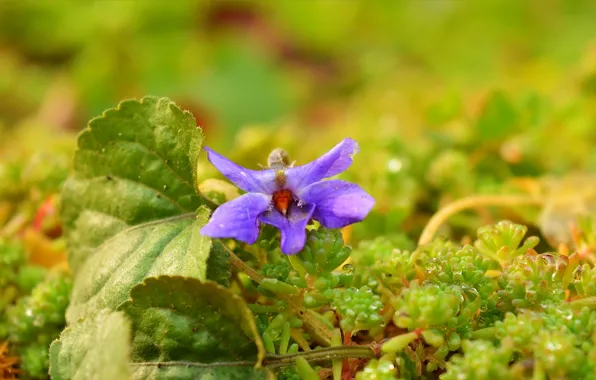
{"x":282,"y":200}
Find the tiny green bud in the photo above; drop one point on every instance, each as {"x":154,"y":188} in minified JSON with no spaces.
{"x":268,"y":343}
{"x":304,"y":370}
{"x":453,"y":341}
{"x":433,"y":337}
{"x":276,"y":286}
{"x":398,"y":343}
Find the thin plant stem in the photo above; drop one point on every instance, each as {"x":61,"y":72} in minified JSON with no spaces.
{"x":469,"y":202}
{"x":319,"y":332}
{"x":242,"y":266}
{"x":275,"y":361}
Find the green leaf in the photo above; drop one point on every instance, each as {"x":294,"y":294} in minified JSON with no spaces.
{"x":200,"y":373}
{"x":498,"y":118}
{"x":134,"y":164}
{"x":218,"y":265}
{"x":172,"y":246}
{"x":97,"y":347}
{"x":184,"y":319}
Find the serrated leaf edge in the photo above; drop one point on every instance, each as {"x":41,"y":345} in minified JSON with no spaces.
{"x":238,"y":300}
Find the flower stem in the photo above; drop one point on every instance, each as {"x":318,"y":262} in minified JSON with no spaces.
{"x":275,"y":361}
{"x":472,"y":201}
{"x":242,"y":266}
{"x":312,"y":324}
{"x":323,"y":354}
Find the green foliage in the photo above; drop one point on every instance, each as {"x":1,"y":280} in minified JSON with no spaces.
{"x":557,"y":339}
{"x":197,"y":373}
{"x":462,"y":266}
{"x":427,"y":306}
{"x":35,"y":320}
{"x":378,"y":261}
{"x":184,"y":319}
{"x":288,"y":373}
{"x":359,"y":308}
{"x":555,"y":343}
{"x":461,"y":122}
{"x":480,"y":360}
{"x":279,"y":270}
{"x":502,"y":241}
{"x":134,"y":164}
{"x":29,"y":276}
{"x":531,"y":280}
{"x":584,"y":282}
{"x":12,"y":256}
{"x":450,"y":170}
{"x":167,"y":301}
{"x":498,"y":117}
{"x":378,"y":369}
{"x":116,"y":214}
{"x":159,"y":323}
{"x":41,"y":171}
{"x":153,"y":231}
{"x":12,"y":261}
{"x":96,"y":347}
{"x":304,"y":370}
{"x":167,"y":247}
{"x":34,"y":359}
{"x":41,"y":313}
{"x":324,"y":251}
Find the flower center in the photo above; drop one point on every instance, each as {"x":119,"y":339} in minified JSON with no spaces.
{"x":282,"y":199}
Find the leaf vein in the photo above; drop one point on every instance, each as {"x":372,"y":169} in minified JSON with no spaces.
{"x":163,"y":161}
{"x":161,"y":194}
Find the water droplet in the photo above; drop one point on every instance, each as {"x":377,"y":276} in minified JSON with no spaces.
{"x":348,"y":268}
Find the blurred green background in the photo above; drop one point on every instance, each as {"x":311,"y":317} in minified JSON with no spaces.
{"x":238,"y":63}
{"x":447,"y":98}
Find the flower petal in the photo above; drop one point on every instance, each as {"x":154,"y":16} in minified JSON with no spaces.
{"x":258,"y":181}
{"x":292,"y":227}
{"x":238,"y":218}
{"x":338,"y":159}
{"x":337,"y":203}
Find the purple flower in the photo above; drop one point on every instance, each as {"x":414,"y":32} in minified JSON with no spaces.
{"x":288,"y":197}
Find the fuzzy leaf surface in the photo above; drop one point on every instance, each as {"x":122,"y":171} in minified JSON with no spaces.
{"x":200,"y":373}
{"x":172,"y":246}
{"x":97,"y":347}
{"x":185,"y":319}
{"x":134,"y":164}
